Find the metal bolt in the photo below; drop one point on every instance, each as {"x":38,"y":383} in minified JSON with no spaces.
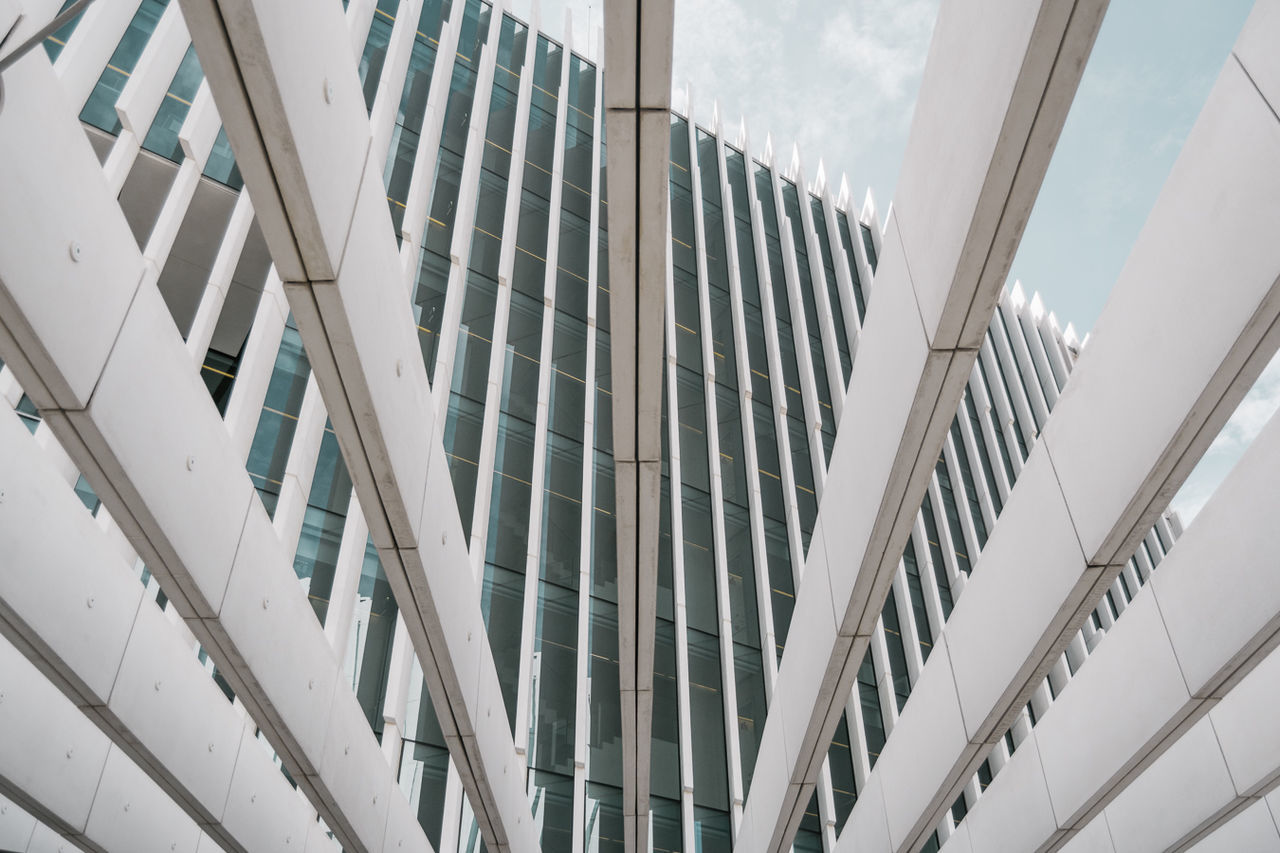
{"x":444,"y":537}
{"x":75,"y":251}
{"x":328,"y":92}
{"x":311,"y":685}
{"x":399,"y":367}
{"x":375,"y":799}
{"x":89,"y":602}
{"x":69,"y":752}
{"x":157,"y":686}
{"x":211,"y":747}
{"x":266,"y":602}
{"x":191,"y":463}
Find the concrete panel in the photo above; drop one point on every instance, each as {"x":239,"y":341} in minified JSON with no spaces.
{"x":44,"y":535}
{"x":46,"y":840}
{"x":155,"y":433}
{"x":1255,"y":50}
{"x":1245,"y":602}
{"x":1245,"y":722}
{"x":872,"y":448}
{"x":1027,"y":579}
{"x":810,"y":679}
{"x":621,"y":46}
{"x":653,"y":247}
{"x":963,"y":205}
{"x":51,"y":755}
{"x":173,"y":708}
{"x":296,"y":677}
{"x":1252,"y":829}
{"x":80,"y":254}
{"x":656,"y":23}
{"x":308,"y":122}
{"x":1028,"y":821}
{"x":16,"y":826}
{"x":1117,"y":474}
{"x":353,"y":770}
{"x":265,"y":816}
{"x":918,"y":760}
{"x":1166,"y":802}
{"x":1085,"y":744}
{"x":403,"y":831}
{"x":131,"y":813}
{"x":867,"y":831}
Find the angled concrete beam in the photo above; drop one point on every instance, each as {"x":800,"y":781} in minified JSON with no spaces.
{"x":99,"y":355}
{"x":637,"y":99}
{"x":1176,"y":364}
{"x":947,"y":249}
{"x":1202,"y":624}
{"x":80,"y":616}
{"x":59,"y":767}
{"x":290,"y":99}
{"x":1208,"y":779}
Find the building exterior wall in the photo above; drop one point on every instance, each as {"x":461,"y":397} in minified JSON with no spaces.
{"x":494,"y":153}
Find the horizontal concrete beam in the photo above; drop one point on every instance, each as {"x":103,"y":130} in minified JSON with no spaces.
{"x":99,"y":355}
{"x":1163,"y":371}
{"x":947,"y":249}
{"x":290,"y":99}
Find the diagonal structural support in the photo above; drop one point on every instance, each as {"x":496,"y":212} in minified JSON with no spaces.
{"x":1201,"y":785}
{"x":1094,"y":485}
{"x":1204,"y":627}
{"x":58,"y":766}
{"x":99,"y":357}
{"x":946,"y":252}
{"x":287,"y":90}
{"x":637,"y":100}
{"x":125,"y":666}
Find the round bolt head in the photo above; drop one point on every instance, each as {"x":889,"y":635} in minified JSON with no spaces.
{"x":211,"y":747}
{"x":191,"y":463}
{"x":89,"y":602}
{"x":157,"y":685}
{"x":328,"y":92}
{"x":75,"y":251}
{"x":266,"y":602}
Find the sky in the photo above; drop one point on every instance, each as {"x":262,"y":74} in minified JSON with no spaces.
{"x":839,"y":79}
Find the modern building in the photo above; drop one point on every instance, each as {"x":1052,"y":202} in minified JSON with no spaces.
{"x":228,"y":624}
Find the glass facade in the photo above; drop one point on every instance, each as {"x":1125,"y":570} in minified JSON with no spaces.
{"x":769,"y":285}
